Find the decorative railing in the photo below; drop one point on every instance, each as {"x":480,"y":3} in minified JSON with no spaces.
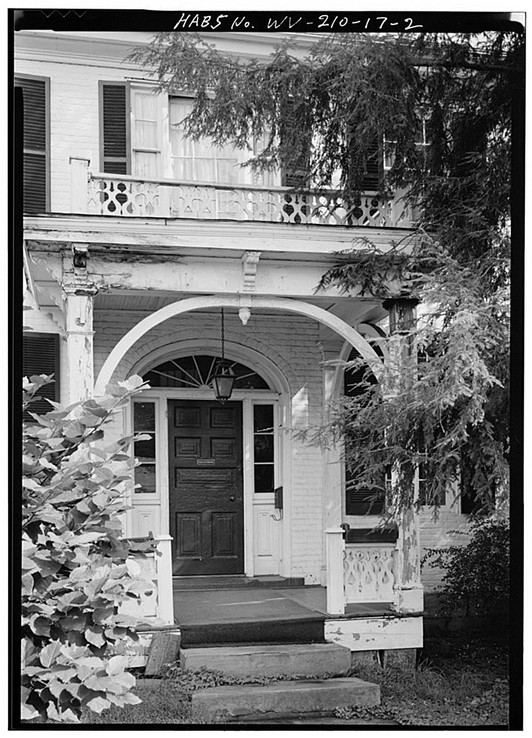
{"x":125,"y":196}
{"x":369,"y":572}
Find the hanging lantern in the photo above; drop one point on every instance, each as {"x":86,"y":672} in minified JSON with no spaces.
{"x":224,"y":376}
{"x":224,"y":380}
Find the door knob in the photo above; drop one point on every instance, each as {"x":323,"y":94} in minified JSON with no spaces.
{"x":232,"y":498}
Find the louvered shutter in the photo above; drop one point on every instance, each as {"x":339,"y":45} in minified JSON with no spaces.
{"x":359,"y":502}
{"x":114,"y":134}
{"x":295,"y":175}
{"x":373,"y":174}
{"x":40,"y":355}
{"x":35,"y":138}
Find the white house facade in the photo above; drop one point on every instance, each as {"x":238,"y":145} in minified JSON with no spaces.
{"x":143,"y":252}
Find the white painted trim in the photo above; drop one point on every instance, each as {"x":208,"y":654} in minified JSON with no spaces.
{"x":197,"y":303}
{"x":247,"y":481}
{"x":375,"y":633}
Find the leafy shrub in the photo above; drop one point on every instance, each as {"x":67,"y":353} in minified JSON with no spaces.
{"x":76,"y":570}
{"x":477,"y":575}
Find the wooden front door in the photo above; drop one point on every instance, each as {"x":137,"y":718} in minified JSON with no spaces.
{"x":206,"y":491}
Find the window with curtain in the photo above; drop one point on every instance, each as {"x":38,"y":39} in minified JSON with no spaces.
{"x":145,"y":135}
{"x":198,"y":161}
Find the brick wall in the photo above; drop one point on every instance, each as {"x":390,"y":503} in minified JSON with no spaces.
{"x":449,"y":528}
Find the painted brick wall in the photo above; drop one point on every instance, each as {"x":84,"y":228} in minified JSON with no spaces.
{"x":292,"y":343}
{"x":449,"y":528}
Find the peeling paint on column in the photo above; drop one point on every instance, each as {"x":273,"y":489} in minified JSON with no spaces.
{"x":79,"y":343}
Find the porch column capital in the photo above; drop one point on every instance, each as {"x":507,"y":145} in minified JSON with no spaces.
{"x":79,"y":289}
{"x":402,"y":313}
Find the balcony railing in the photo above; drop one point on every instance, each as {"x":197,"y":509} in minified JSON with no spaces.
{"x":126,"y":196}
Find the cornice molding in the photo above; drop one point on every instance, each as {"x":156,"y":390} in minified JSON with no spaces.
{"x":110,"y":49}
{"x":180,"y":233}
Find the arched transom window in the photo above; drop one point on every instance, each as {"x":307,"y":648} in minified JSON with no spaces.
{"x":196,"y":372}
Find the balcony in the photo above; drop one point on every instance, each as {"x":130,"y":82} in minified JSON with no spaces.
{"x":127,"y":196}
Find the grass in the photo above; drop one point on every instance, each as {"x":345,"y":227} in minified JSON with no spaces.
{"x":460,"y":681}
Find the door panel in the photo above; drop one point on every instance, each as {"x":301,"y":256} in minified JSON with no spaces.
{"x":206,"y":492}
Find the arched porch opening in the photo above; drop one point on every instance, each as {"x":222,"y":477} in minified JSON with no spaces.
{"x":350,"y":334}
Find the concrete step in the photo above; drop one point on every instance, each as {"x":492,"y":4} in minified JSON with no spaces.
{"x":301,"y":660}
{"x":283,"y":699}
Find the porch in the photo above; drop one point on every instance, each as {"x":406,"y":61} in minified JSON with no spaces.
{"x":214,"y":610}
{"x":239,"y":610}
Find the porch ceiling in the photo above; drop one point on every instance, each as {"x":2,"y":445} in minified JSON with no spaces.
{"x":351,"y":310}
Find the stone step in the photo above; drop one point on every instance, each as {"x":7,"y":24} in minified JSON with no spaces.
{"x":301,"y":660}
{"x":283,"y":699}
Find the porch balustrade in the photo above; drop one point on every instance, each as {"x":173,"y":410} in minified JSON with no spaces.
{"x":126,"y":196}
{"x":369,"y":572}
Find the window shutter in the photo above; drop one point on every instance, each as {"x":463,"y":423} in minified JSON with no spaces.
{"x":468,"y":503}
{"x":114,"y":129}
{"x":372,"y":177}
{"x":40,"y":355}
{"x":35,"y":149}
{"x":295,"y":174}
{"x":359,"y":502}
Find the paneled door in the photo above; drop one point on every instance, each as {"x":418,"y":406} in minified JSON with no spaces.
{"x":206,"y":491}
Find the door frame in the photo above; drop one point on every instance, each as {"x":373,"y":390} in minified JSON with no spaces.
{"x":160,"y":524}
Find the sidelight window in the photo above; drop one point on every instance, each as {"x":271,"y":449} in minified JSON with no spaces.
{"x":144,"y":423}
{"x":263,"y":448}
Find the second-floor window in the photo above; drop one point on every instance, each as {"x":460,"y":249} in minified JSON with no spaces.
{"x":198,"y":160}
{"x":141,"y":134}
{"x":35,"y":129}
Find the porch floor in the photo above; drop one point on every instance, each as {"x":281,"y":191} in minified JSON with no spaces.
{"x":258,"y":613}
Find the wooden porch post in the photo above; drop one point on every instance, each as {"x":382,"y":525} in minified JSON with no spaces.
{"x":332,"y":485}
{"x":401,"y":363}
{"x":79,"y":341}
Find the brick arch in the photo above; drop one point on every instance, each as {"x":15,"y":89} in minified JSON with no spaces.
{"x":271,"y":365}
{"x":258,"y":352}
{"x":197,"y":303}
